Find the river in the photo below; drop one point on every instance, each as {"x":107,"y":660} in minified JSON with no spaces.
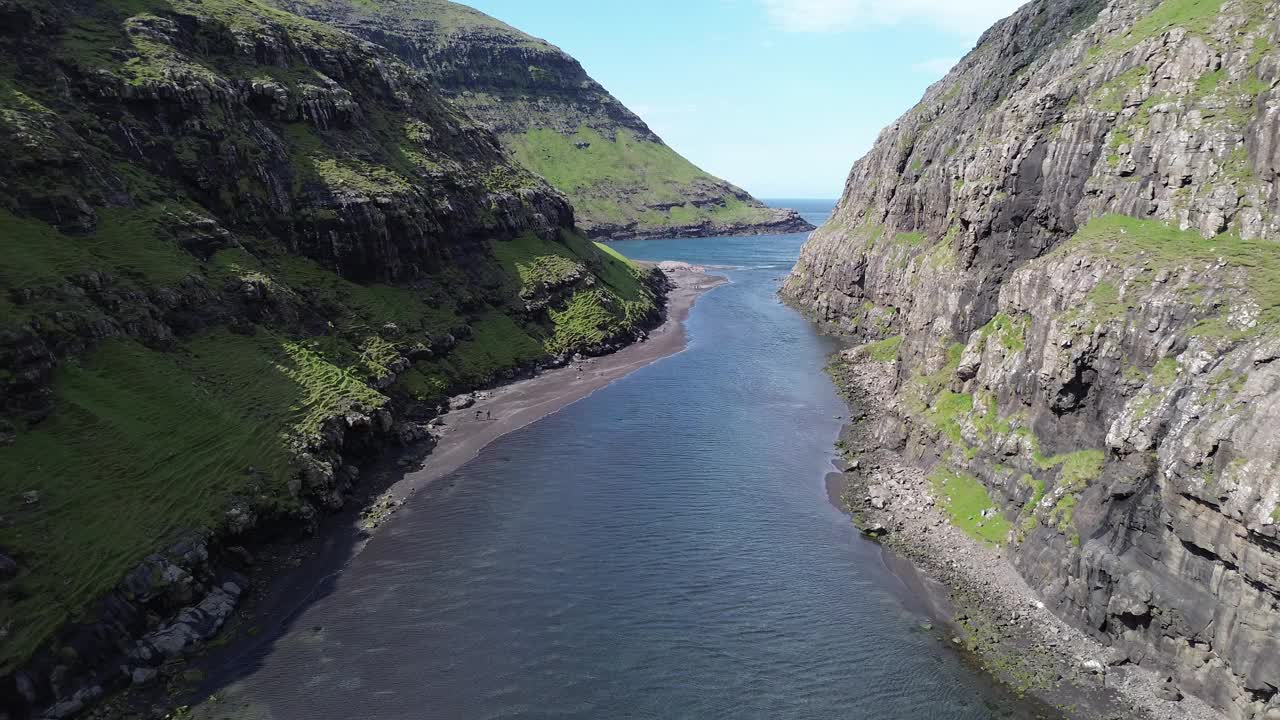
{"x":664,"y":548}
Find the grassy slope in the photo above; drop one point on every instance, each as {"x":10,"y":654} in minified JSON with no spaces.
{"x":1154,"y":245}
{"x":965,"y":499}
{"x":626,"y":180}
{"x":620,"y":180}
{"x":147,"y":443}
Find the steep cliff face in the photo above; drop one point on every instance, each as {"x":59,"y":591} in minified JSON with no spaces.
{"x":622,"y":179}
{"x":242,"y":250}
{"x":1071,"y":246}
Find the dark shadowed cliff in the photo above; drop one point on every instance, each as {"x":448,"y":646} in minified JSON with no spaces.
{"x":1069,"y":248}
{"x":622,"y":179}
{"x":242,"y":251}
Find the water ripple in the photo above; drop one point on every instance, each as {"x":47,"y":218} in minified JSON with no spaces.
{"x":662,"y":549}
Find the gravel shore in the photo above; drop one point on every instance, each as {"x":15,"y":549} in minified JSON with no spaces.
{"x":996,"y":615}
{"x":292,"y":573}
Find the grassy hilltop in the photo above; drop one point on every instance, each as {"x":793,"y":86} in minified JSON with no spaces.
{"x":622,"y":179}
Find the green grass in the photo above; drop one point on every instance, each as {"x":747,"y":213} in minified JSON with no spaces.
{"x":144,"y":445}
{"x":625,"y":160}
{"x":1196,"y":16}
{"x":1076,"y":469}
{"x":1209,"y":82}
{"x":1102,"y":305}
{"x":321,"y":159}
{"x":1063,"y":513}
{"x":884,"y":350}
{"x":1110,"y":97}
{"x":619,"y":257}
{"x":1037,"y":490}
{"x":590,"y":318}
{"x":592,"y":314}
{"x":621,"y":180}
{"x":947,"y":411}
{"x":497,"y":344}
{"x":924,"y":389}
{"x":964,"y":499}
{"x":98,"y":40}
{"x":1154,"y":246}
{"x":128,"y":243}
{"x":990,"y":424}
{"x":1164,"y":373}
{"x":538,"y":263}
{"x":358,"y":308}
{"x":1012,"y":332}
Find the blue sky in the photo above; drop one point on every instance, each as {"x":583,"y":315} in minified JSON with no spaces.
{"x":778,"y":96}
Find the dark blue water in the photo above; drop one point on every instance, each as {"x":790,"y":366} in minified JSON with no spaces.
{"x":662,"y":549}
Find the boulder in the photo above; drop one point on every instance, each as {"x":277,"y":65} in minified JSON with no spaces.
{"x":462,"y":402}
{"x":1093,"y":667}
{"x":1169,"y":691}
{"x":143,"y":676}
{"x":190,"y":629}
{"x":878,"y":496}
{"x":875,"y":530}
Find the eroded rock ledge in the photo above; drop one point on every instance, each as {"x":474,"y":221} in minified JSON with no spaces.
{"x":1067,"y":251}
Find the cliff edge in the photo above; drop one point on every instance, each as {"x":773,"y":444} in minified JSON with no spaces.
{"x":623,"y":181}
{"x":1068,"y":249}
{"x":244,"y":252}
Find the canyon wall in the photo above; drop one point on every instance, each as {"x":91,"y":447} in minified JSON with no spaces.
{"x":243,"y":253}
{"x":1069,"y":249}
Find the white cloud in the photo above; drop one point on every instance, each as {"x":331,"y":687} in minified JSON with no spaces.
{"x":826,"y":16}
{"x":937,"y":67}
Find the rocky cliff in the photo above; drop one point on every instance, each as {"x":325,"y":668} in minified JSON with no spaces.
{"x":623,"y":181}
{"x":243,"y":251}
{"x":1069,"y":250}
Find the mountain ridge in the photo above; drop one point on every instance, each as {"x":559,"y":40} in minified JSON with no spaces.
{"x":623,"y":180}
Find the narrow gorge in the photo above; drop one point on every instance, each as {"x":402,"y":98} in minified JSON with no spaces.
{"x":1066,"y":255}
{"x":329,"y":362}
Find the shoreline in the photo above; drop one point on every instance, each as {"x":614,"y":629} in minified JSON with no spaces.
{"x":524,"y":402}
{"x":290,"y":575}
{"x":973,"y":589}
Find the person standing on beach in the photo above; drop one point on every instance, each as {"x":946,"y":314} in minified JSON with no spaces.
{"x":488,"y":414}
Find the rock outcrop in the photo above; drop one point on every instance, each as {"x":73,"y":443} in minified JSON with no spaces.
{"x":243,"y":253}
{"x":1070,"y":248}
{"x":624,"y":182}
